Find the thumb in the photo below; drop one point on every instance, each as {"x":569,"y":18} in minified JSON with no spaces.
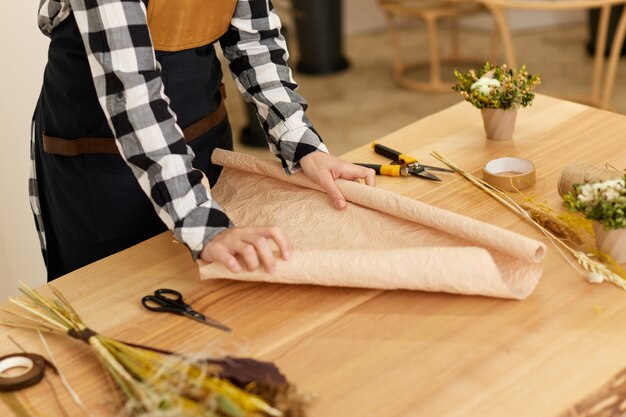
{"x":328,"y":184}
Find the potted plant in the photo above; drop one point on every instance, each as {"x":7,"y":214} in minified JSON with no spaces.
{"x":605,"y":203}
{"x":498,"y":91}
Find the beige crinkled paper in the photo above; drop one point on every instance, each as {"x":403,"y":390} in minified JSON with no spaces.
{"x":383,"y":240}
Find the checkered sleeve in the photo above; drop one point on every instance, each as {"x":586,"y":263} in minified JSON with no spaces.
{"x":257,"y":55}
{"x":127,"y":78}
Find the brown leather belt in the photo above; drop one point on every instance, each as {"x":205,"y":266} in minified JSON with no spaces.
{"x":75,"y":147}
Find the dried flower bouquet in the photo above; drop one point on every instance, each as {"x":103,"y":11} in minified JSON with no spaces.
{"x":497,"y":87}
{"x":157,"y":384}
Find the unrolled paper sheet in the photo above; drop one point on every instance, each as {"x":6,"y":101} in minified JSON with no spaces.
{"x":383,"y":240}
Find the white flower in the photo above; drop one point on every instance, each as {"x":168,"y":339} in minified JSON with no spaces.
{"x":585,"y":198}
{"x":599,"y":186}
{"x":611,"y":194}
{"x":483,"y":85}
{"x":586,"y":193}
{"x":608,"y":190}
{"x":595,"y":278}
{"x":617,"y":185}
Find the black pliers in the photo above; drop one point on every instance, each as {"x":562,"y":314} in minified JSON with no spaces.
{"x":402,"y":165}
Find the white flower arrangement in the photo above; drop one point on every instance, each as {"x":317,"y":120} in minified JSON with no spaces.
{"x":603,"y":201}
{"x":497,"y":87}
{"x":593,"y":193}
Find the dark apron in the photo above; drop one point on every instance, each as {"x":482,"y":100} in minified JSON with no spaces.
{"x":92,"y":205}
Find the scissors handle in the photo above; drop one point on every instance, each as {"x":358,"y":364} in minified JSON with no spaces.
{"x":387,"y":169}
{"x":393,"y":154}
{"x":166,"y":300}
{"x":168,"y":294}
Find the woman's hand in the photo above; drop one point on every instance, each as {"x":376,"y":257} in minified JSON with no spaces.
{"x":324,"y":169}
{"x":250,"y":243}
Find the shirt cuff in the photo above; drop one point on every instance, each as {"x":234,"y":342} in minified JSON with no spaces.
{"x":297,"y":143}
{"x":209,"y":236}
{"x":200,"y":226}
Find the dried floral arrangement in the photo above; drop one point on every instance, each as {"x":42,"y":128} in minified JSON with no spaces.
{"x":604,"y":202}
{"x":595,"y":266}
{"x":156,"y":383}
{"x":497,"y":87}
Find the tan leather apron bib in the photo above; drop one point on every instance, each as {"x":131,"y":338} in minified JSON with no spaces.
{"x":176,"y":25}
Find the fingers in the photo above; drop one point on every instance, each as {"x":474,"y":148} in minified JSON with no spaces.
{"x":355,"y":172}
{"x":279,"y":238}
{"x":370,"y":177}
{"x":327,"y":182}
{"x":220,"y":253}
{"x":349,"y":172}
{"x":249,"y":244}
{"x":248,"y":252}
{"x":324,"y":169}
{"x":260,"y":252}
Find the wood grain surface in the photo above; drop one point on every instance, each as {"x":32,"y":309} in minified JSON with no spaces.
{"x":384,"y":353}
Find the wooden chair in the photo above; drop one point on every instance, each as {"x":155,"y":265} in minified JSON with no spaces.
{"x":431,"y":13}
{"x":602,"y":80}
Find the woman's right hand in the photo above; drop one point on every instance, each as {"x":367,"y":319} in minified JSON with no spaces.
{"x":250,"y":243}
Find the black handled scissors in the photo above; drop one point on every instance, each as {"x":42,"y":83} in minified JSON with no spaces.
{"x":171,"y":301}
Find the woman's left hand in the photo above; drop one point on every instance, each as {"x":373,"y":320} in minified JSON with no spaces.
{"x":324,"y":169}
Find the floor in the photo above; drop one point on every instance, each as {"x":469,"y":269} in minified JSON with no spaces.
{"x":358,"y":105}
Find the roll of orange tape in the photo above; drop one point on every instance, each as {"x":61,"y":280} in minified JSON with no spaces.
{"x":510,"y":173}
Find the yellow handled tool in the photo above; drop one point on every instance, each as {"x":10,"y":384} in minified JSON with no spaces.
{"x":393,"y":154}
{"x":388,"y":169}
{"x":413,"y":167}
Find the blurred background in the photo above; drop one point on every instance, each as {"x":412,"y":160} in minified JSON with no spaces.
{"x":343,"y":58}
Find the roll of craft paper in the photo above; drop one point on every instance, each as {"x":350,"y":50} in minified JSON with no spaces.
{"x":510,"y":174}
{"x":382,"y":240}
{"x":581,"y":173}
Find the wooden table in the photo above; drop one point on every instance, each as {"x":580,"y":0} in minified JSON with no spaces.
{"x":386,"y":353}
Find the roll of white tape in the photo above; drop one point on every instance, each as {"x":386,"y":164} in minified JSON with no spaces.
{"x":18,"y":364}
{"x":510,"y":173}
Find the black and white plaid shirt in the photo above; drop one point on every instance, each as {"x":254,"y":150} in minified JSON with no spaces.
{"x":128,"y":82}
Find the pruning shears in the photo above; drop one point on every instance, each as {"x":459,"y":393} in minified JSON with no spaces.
{"x":402,"y":165}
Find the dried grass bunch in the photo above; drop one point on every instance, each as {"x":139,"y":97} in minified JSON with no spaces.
{"x":157,"y":384}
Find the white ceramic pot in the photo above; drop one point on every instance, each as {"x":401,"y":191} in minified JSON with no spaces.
{"x":612,"y":242}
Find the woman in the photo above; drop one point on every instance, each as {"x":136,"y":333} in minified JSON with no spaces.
{"x":130,"y":111}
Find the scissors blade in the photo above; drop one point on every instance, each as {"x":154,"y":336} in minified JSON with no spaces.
{"x":419,"y":171}
{"x":434,"y":168}
{"x":208,"y":321}
{"x":426,"y":175}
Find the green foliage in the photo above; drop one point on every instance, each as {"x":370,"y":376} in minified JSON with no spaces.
{"x":604,"y":202}
{"x":509,"y":90}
